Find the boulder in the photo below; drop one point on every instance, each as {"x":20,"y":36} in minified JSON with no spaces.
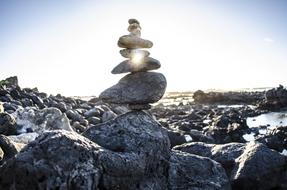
{"x":275,"y":99}
{"x":136,"y":88}
{"x":7,"y":124}
{"x":249,"y":166}
{"x":56,"y":160}
{"x":9,"y":148}
{"x":140,"y":149}
{"x":188,"y":171}
{"x":34,"y":120}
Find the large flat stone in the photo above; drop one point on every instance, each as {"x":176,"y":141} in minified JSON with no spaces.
{"x":136,"y":88}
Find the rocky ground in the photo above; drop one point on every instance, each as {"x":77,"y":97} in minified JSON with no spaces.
{"x":186,"y":141}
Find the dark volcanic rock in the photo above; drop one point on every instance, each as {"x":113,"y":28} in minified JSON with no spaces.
{"x":275,"y":138}
{"x":134,"y":131}
{"x":38,"y":121}
{"x":146,"y":64}
{"x":7,"y":124}
{"x":188,"y":171}
{"x":275,"y":99}
{"x":228,"y":127}
{"x":56,"y":160}
{"x":140,"y":145}
{"x":11,"y":82}
{"x":136,"y":88}
{"x":9,"y":148}
{"x":228,"y":97}
{"x":249,"y":166}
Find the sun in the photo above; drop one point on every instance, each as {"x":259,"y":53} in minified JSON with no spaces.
{"x":137,"y":58}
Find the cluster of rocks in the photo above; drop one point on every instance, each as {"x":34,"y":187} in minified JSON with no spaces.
{"x":205,"y":123}
{"x":27,"y":113}
{"x":139,"y":88}
{"x":114,"y":142}
{"x":248,"y":166}
{"x":275,"y":99}
{"x":131,"y":151}
{"x":253,"y":98}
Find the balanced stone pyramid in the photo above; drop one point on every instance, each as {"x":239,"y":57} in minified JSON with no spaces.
{"x":140,"y":87}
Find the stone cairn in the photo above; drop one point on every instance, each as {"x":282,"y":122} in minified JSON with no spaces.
{"x":141,"y":87}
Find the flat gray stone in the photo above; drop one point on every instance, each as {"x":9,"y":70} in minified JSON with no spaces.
{"x":136,"y":88}
{"x":132,"y":42}
{"x":146,"y":64}
{"x":128,"y":53}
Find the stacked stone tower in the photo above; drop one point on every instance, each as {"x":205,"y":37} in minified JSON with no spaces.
{"x":140,"y":87}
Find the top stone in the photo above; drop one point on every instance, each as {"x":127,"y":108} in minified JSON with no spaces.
{"x":132,"y":21}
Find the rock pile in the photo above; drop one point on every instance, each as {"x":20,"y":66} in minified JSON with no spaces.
{"x":275,"y":99}
{"x":139,"y":88}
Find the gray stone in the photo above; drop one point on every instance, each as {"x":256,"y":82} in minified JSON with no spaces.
{"x":133,"y":20}
{"x":249,"y":166}
{"x":140,"y":149}
{"x":133,"y":42}
{"x":136,"y":88}
{"x":108,"y":115}
{"x":9,"y":147}
{"x":94,"y":112}
{"x":75,"y":116}
{"x":94,"y":120}
{"x":188,"y":171}
{"x":146,"y":64}
{"x":34,"y":120}
{"x":7,"y":124}
{"x":55,"y":160}
{"x":128,"y":53}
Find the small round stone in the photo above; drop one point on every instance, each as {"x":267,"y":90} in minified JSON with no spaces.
{"x":133,"y":20}
{"x":134,"y":27}
{"x":133,"y":42}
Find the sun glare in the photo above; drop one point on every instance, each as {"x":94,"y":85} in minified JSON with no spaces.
{"x":137,"y":58}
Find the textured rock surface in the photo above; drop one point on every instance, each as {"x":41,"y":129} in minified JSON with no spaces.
{"x":128,"y":53}
{"x":56,"y":160}
{"x":38,"y":121}
{"x":7,"y":124}
{"x":146,"y":64}
{"x":9,"y":147}
{"x":132,"y":42}
{"x":189,"y":171}
{"x":249,"y":166}
{"x":136,"y":88}
{"x":139,"y":144}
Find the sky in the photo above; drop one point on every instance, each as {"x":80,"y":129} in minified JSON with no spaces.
{"x":70,"y":46}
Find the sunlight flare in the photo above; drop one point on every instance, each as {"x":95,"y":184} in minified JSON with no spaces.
{"x":137,"y":58}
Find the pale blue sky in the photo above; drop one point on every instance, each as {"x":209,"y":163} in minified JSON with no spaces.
{"x":70,"y":46}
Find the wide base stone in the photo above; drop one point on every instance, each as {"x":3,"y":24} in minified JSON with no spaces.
{"x":136,"y":88}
